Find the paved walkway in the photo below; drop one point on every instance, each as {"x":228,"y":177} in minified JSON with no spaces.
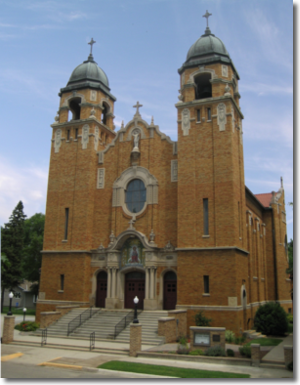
{"x":85,"y":359}
{"x":277,"y":353}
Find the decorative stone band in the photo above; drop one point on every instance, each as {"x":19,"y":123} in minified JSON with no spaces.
{"x":65,"y":251}
{"x":200,"y":102}
{"x":212,"y":248}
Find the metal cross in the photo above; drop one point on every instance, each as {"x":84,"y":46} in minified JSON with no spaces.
{"x":137,"y":106}
{"x":207,"y":16}
{"x":91,"y":44}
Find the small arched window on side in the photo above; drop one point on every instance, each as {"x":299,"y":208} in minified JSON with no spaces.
{"x":203,"y":88}
{"x":104,"y":113}
{"x":74,"y":105}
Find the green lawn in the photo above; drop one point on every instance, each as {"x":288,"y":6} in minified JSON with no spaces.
{"x":265,"y":341}
{"x":167,"y":370}
{"x":18,"y":311}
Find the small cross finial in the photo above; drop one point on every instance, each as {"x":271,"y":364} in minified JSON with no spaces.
{"x":207,"y":16}
{"x":137,"y":106}
{"x":91,"y":44}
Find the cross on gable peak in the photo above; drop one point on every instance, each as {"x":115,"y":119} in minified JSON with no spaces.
{"x":137,"y":106}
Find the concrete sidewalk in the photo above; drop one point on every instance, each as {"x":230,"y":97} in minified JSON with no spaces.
{"x":90,"y":360}
{"x":277,"y":353}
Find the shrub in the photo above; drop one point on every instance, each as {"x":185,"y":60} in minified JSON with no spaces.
{"x":239,"y":340}
{"x":215,"y":351}
{"x":201,"y":320}
{"x":197,"y":352}
{"x":245,"y":351}
{"x":271,"y":319}
{"x":290,"y":318}
{"x":229,"y":336}
{"x":230,"y":353}
{"x":27,"y":326}
{"x":182,"y":346}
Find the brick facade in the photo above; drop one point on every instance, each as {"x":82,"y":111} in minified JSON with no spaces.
{"x":198,"y":222}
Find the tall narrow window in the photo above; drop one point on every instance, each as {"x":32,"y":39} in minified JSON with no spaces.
{"x":66,"y":222}
{"x":198,"y":116}
{"x":76,"y":133}
{"x":68,"y":134}
{"x":205,"y":216}
{"x":239,"y":214}
{"x":62,"y":281}
{"x":206,"y":283}
{"x":208,"y":114}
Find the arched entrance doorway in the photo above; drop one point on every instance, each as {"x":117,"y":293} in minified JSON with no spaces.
{"x":134,"y":286}
{"x":170,"y":290}
{"x":101,"y":289}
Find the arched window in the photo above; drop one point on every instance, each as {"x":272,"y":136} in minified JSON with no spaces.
{"x":74,"y":106}
{"x":203,"y":86}
{"x":104,"y":113}
{"x":135,"y":195}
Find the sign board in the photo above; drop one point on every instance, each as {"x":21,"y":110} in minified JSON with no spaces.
{"x":201,"y":339}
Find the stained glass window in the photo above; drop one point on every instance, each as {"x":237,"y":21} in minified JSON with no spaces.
{"x":135,"y":195}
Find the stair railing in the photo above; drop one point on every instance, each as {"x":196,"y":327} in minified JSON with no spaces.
{"x":44,"y":337}
{"x":80,"y":319}
{"x":92,"y":340}
{"x":125,"y":321}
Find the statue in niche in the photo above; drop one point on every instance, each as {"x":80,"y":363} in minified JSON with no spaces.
{"x":57,"y":140}
{"x":221,"y":116}
{"x":134,"y":255}
{"x":135,"y":135}
{"x":85,"y":136}
{"x":185,"y":121}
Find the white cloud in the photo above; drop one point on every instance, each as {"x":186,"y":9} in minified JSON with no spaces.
{"x":28,"y":184}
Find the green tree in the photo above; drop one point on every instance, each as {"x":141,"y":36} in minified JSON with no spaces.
{"x":12,"y":240}
{"x":33,"y":244}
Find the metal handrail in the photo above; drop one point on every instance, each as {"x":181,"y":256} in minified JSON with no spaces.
{"x":125,"y":321}
{"x":80,"y":319}
{"x":92,"y":340}
{"x":44,"y":337}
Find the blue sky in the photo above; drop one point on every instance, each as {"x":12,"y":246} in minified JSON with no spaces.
{"x":140,"y":45}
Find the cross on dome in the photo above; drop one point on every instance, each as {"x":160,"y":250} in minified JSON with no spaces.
{"x":207,"y":16}
{"x":137,"y":106}
{"x":91,"y":44}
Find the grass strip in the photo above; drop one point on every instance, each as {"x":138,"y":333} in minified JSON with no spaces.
{"x":17,"y":311}
{"x":171,"y":371}
{"x":265,"y":341}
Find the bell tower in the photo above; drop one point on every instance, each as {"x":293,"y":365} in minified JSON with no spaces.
{"x":212,"y":260}
{"x":211,"y":189}
{"x":83,"y":127}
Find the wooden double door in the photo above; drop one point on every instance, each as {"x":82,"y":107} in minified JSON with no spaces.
{"x":134,"y":286}
{"x":101,"y":289}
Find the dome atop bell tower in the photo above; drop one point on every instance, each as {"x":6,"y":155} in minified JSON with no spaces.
{"x":88,"y":75}
{"x":207,"y":49}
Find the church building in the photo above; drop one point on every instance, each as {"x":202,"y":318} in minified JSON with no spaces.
{"x":133,"y":213}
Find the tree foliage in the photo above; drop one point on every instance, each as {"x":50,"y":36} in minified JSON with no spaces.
{"x":201,"y":320}
{"x":33,"y":244}
{"x":271,"y":319}
{"x":12,"y":241}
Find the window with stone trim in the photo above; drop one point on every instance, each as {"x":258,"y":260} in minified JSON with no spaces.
{"x":62,"y":281}
{"x":205,"y":217}
{"x":66,"y":222}
{"x":198,"y":115}
{"x":135,"y":195}
{"x":203,"y":86}
{"x":209,"y":114}
{"x":206,"y":283}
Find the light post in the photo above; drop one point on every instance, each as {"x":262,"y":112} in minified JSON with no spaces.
{"x":24,"y":313}
{"x":11,"y":296}
{"x":136,"y":301}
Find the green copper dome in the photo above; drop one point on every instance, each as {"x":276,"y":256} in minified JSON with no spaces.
{"x":207,"y":44}
{"x":207,"y":49}
{"x":88,"y":71}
